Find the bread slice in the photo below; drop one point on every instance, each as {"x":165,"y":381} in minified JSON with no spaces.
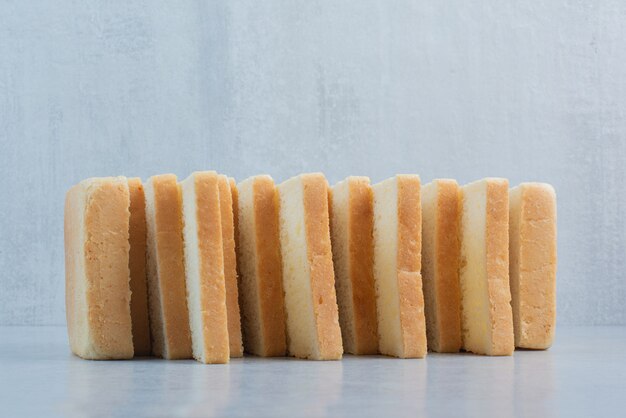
{"x":397,"y":263}
{"x":484,"y":275}
{"x":204,"y":267}
{"x":532,"y":253}
{"x":167,"y":295}
{"x":351,"y":220}
{"x":440,"y":265}
{"x":230,"y":267}
{"x":137,"y":267}
{"x":97,"y":290}
{"x":235,"y":197}
{"x":308,"y":280}
{"x":260,"y":268}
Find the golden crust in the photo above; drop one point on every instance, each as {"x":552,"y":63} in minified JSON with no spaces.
{"x":230,"y":267}
{"x":171,"y":336}
{"x":97,"y":277}
{"x":212,"y":282}
{"x":533,"y":267}
{"x":269,"y":267}
{"x":137,"y":267}
{"x":75,"y":312}
{"x":412,"y":320}
{"x":361,"y":249}
{"x":319,"y":254}
{"x":447,"y":253}
{"x":497,"y":243}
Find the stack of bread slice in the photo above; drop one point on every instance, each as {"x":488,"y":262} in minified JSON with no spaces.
{"x":207,"y":268}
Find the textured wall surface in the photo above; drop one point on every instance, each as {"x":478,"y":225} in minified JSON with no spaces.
{"x":524,"y":90}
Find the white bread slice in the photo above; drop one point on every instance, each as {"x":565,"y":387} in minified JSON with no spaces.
{"x":308,"y":280}
{"x":397,"y":263}
{"x":137,"y":267}
{"x":440,"y":265}
{"x":230,"y":267}
{"x":484,"y":275}
{"x":204,"y":267}
{"x":352,"y":218}
{"x":167,"y":298}
{"x":97,"y":290}
{"x":532,"y":253}
{"x":260,"y":268}
{"x":235,"y":197}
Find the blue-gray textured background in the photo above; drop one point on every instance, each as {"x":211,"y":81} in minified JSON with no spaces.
{"x":525,"y":90}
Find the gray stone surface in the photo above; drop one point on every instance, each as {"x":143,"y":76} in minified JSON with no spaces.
{"x":525,"y":90}
{"x":581,"y":376}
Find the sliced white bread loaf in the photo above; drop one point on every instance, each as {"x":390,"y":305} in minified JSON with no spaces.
{"x":487,"y":319}
{"x":137,"y":267}
{"x":440,"y":265}
{"x":313,"y":330}
{"x":167,"y":295}
{"x":352,"y":219}
{"x":533,"y":259}
{"x":204,"y":267}
{"x":260,"y":268}
{"x":397,"y":263}
{"x":97,"y":290}
{"x":230,"y":267}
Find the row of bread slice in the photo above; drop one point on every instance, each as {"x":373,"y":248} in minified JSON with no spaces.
{"x":488,"y":265}
{"x":287,"y":281}
{"x":151,"y":270}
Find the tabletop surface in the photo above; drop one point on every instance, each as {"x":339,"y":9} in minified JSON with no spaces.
{"x":584,"y":374}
